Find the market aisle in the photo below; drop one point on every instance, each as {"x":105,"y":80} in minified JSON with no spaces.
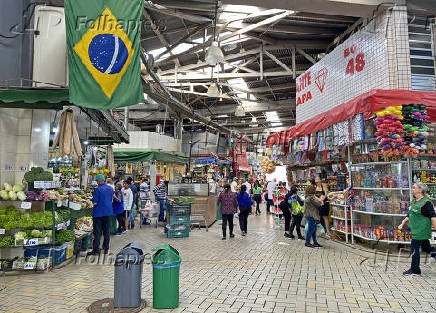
{"x":262,"y":272}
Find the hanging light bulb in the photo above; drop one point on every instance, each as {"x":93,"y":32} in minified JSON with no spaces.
{"x":214,"y":55}
{"x":239,"y":111}
{"x":213,"y":91}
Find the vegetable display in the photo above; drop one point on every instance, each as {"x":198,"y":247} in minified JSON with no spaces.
{"x":65,"y":236}
{"x":11,"y":218}
{"x":6,"y":242}
{"x":38,"y":174}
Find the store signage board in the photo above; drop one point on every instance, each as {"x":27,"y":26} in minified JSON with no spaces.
{"x":356,"y":66}
{"x":31,"y":242}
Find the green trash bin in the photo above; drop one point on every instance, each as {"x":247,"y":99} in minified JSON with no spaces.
{"x":166,"y":269}
{"x":113,"y":229}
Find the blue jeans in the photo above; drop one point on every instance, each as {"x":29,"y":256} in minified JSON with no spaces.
{"x":311,"y":230}
{"x":162,"y":209}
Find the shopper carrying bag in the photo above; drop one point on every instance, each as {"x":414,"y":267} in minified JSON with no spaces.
{"x":245,"y":203}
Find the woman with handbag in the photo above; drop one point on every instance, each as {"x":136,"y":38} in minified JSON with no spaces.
{"x":324,"y":210}
{"x":422,"y":219}
{"x":245,"y":203}
{"x":297,"y":206}
{"x":311,"y":213}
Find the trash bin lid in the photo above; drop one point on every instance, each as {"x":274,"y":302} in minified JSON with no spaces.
{"x":166,"y":255}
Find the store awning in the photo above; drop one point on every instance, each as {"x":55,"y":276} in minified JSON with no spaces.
{"x":141,"y":155}
{"x":367,"y":103}
{"x":48,"y":99}
{"x":207,"y":160}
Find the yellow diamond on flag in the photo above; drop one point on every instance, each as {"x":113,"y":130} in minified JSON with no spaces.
{"x":106,"y":51}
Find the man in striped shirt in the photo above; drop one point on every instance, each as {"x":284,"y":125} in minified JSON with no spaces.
{"x":160,"y":192}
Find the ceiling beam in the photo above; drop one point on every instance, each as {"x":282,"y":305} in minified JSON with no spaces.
{"x":283,"y":65}
{"x":190,"y":5}
{"x":307,"y":56}
{"x":251,"y":27}
{"x":278,"y":106}
{"x":177,"y":13}
{"x":158,"y":34}
{"x":181,"y":40}
{"x":289,"y":29}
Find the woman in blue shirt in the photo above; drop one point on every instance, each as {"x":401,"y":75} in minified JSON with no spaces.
{"x":117,"y":205}
{"x":245,"y":203}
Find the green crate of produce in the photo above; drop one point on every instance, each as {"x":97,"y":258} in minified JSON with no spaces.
{"x":179,"y":232}
{"x":179,"y":219}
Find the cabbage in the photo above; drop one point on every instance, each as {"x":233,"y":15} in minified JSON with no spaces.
{"x":36,"y":234}
{"x":18,"y":187}
{"x":4,"y":195}
{"x":21,"y":235}
{"x":12,"y":195}
{"x":21,"y":196}
{"x":7,"y":187}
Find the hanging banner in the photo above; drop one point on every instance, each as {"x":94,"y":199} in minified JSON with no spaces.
{"x":356,"y":66}
{"x":103,"y":41}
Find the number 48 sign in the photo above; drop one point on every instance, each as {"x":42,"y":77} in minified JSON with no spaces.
{"x":354,"y":63}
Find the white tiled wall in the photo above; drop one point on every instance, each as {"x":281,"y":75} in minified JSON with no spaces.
{"x":385,"y":43}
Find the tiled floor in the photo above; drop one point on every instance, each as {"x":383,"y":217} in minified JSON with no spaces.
{"x":263,"y":272}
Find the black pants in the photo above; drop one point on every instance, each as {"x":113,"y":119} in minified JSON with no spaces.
{"x":121,"y":222}
{"x":287,"y":215}
{"x":101,"y":226}
{"x":296,"y":222}
{"x":258,"y":199}
{"x":415,"y":246}
{"x":227,"y":218}
{"x":269,"y":202}
{"x":243,"y":218}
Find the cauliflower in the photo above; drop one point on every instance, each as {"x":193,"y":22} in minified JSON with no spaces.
{"x":7,"y":187}
{"x":12,"y":195}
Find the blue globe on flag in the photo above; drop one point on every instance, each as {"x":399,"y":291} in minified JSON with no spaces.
{"x":108,"y":53}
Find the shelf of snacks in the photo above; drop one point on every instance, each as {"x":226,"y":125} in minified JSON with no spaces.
{"x":380,"y":175}
{"x":382,"y":214}
{"x":377,"y":202}
{"x":382,"y":234}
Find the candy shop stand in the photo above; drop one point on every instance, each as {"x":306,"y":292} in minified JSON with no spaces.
{"x":384,"y":141}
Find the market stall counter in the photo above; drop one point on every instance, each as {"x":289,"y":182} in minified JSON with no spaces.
{"x":204,"y":209}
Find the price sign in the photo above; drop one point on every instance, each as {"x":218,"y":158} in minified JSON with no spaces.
{"x":31,"y":242}
{"x":60,"y":226}
{"x":67,"y":223}
{"x":29,"y":265}
{"x":75,"y":206}
{"x":65,"y":202}
{"x":26,"y":205}
{"x":2,"y":231}
{"x":38,"y":184}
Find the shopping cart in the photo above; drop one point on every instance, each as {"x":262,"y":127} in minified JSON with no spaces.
{"x":149,"y":210}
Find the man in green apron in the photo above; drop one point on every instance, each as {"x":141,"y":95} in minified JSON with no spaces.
{"x":422,"y":219}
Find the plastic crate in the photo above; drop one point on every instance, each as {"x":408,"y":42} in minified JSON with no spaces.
{"x":179,"y":209}
{"x":86,"y":242}
{"x":178,"y":232}
{"x":60,"y":253}
{"x":179,"y":219}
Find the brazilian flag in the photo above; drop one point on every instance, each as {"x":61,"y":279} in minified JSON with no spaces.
{"x":103,"y":38}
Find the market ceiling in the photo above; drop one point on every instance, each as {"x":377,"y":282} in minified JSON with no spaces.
{"x":266,"y":44}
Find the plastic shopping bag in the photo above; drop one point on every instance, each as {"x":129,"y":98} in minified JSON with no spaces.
{"x":320,"y":231}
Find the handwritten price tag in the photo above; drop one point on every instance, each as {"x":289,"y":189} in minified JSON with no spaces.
{"x":60,"y":226}
{"x":75,"y":206}
{"x":2,"y":231}
{"x":31,"y":242}
{"x":67,"y":223}
{"x":26,"y":205}
{"x":29,"y":265}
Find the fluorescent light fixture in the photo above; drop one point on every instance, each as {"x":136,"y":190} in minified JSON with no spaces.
{"x":275,"y":124}
{"x":213,"y":91}
{"x":222,"y":116}
{"x":37,"y":130}
{"x":86,"y":142}
{"x":55,"y":129}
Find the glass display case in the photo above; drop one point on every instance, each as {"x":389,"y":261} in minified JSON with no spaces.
{"x":381,"y":200}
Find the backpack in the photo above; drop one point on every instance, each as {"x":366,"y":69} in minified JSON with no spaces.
{"x":297,"y":208}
